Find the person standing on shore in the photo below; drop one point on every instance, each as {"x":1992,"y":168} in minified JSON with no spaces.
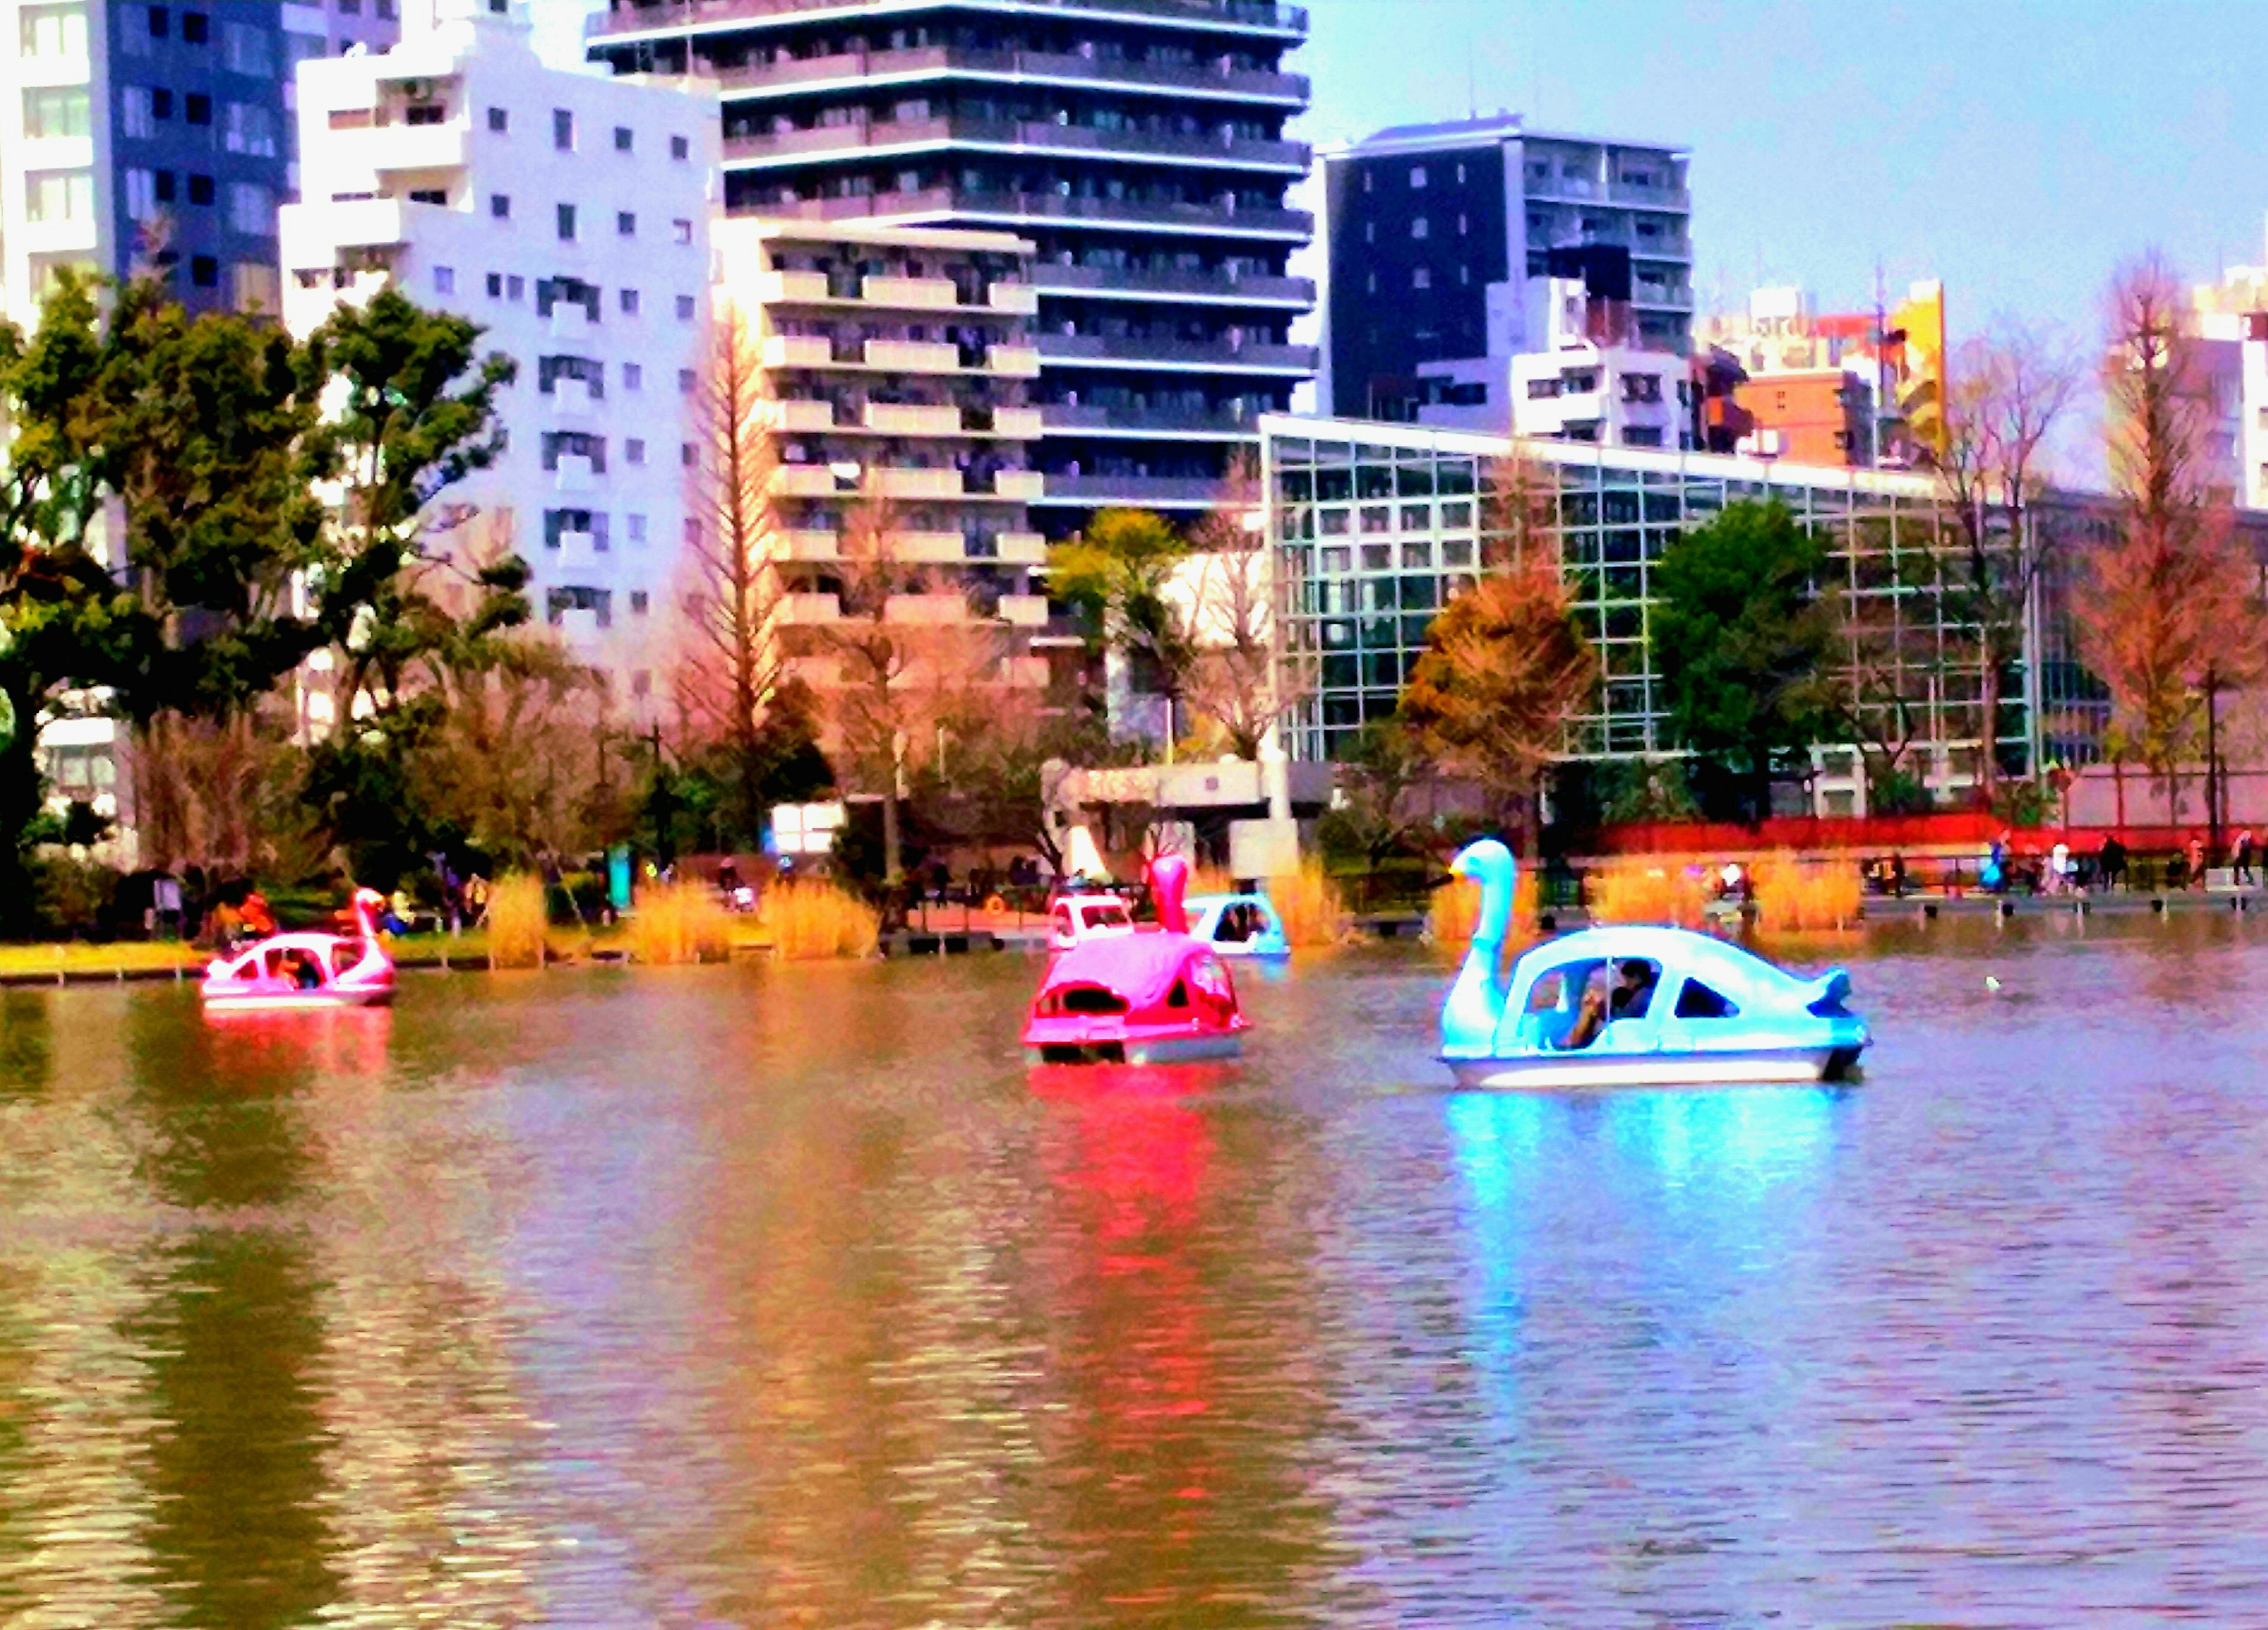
{"x":2243,"y":858}
{"x":2110,"y":862}
{"x":2196,"y":879}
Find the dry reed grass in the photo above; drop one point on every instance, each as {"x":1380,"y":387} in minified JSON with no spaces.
{"x":809,"y":920}
{"x":1310,"y":906}
{"x":1807,"y":897}
{"x":680,"y":923}
{"x":518,"y":916}
{"x":1455,"y":913}
{"x":1639,"y":889}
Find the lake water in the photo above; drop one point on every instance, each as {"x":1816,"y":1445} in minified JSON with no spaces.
{"x":761,"y":1296}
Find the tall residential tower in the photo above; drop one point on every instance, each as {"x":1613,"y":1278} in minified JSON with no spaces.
{"x":1438,"y":240}
{"x":1138,"y":145}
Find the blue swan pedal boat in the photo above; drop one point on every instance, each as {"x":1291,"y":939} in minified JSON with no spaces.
{"x":1670,"y":1007}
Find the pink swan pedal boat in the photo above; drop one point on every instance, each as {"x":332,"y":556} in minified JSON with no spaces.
{"x":271,"y":975}
{"x":1149,"y":997}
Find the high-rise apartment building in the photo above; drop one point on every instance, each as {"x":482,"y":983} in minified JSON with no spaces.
{"x":143,"y":137}
{"x":568,"y":214}
{"x":1438,"y":241}
{"x":1139,"y":145}
{"x":896,"y":364}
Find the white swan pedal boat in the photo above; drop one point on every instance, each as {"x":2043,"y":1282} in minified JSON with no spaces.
{"x":1631,"y":1005}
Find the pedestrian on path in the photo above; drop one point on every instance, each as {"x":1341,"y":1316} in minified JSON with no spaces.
{"x":2243,"y":858}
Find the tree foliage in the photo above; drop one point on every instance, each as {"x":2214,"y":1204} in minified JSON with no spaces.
{"x":1504,"y":666}
{"x":1741,"y":640}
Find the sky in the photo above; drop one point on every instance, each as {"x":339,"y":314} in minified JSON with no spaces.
{"x":2018,"y":150}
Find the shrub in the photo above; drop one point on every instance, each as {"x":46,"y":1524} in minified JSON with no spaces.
{"x":1313,"y":911}
{"x":816,"y":919}
{"x":1455,"y":913}
{"x":518,"y":916}
{"x":1638,"y":889}
{"x":1796,"y":896}
{"x":680,"y":923}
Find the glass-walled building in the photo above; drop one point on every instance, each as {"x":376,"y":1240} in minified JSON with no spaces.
{"x":1380,"y":524}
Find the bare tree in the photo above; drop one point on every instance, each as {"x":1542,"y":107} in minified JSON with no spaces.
{"x":2173,"y":617}
{"x":1247,"y":672}
{"x":2009,"y":389}
{"x":730,"y":660}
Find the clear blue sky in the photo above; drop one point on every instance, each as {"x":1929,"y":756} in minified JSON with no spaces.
{"x":2017,"y":149}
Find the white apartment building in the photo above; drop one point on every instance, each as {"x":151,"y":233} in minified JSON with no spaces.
{"x":1590,"y":385}
{"x":569,"y":215}
{"x":2232,"y":356}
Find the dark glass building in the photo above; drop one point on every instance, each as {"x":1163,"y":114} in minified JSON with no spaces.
{"x":1140,"y":143}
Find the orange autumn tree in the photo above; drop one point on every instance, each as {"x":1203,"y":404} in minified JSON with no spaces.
{"x":2174,"y":616}
{"x":1505,"y":665}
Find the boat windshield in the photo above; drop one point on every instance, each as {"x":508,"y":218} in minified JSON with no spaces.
{"x":1111,"y":916}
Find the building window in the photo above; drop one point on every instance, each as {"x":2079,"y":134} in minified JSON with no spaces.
{"x":165,"y":179}
{"x":197,"y":107}
{"x":686,"y":307}
{"x":141,"y":195}
{"x":255,"y":287}
{"x":1641,"y":387}
{"x":514,"y":286}
{"x":634,"y":525}
{"x":625,"y":224}
{"x":55,"y":31}
{"x":251,"y":210}
{"x":1464,"y":225}
{"x":134,"y":114}
{"x":196,"y":30}
{"x":430,"y":195}
{"x":1642,"y":436}
{"x":1421,"y":278}
{"x":444,"y":280}
{"x":496,"y":286}
{"x":59,"y":196}
{"x":248,"y":49}
{"x":1416,"y":175}
{"x":1421,"y":228}
{"x":158,"y":21}
{"x":633,"y":376}
{"x":1370,"y":283}
{"x":682,"y":231}
{"x":686,"y":380}
{"x":637,"y":607}
{"x":692,"y":531}
{"x":57,"y":111}
{"x":685,"y":455}
{"x":500,"y":206}
{"x":204,"y":271}
{"x":499,"y":121}
{"x":634,"y":450}
{"x":1370,"y":231}
{"x":630,"y":302}
{"x":201,"y":189}
{"x":249,"y":129}
{"x":563,"y":130}
{"x":679,"y":147}
{"x":567,"y":222}
{"x":623,"y":138}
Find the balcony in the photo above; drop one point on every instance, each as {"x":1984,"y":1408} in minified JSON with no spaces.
{"x":571,"y":399}
{"x":928,"y":608}
{"x":1127,"y":351}
{"x":928,"y":549}
{"x":1022,"y":548}
{"x":579,"y":552}
{"x":796,"y":147}
{"x":913,"y":355}
{"x":788,"y":415}
{"x":911,"y":293}
{"x":808,"y":544}
{"x":387,"y":149}
{"x":1106,"y":419}
{"x":1017,"y":424}
{"x":785,"y":288}
{"x":1024,"y":610}
{"x":873,"y":68}
{"x":365,"y":223}
{"x":574,"y":474}
{"x":896,"y":418}
{"x":808,"y":608}
{"x":1139,"y":491}
{"x":1015,"y":362}
{"x":664,"y":15}
{"x":1135,"y":283}
{"x":1017,"y":209}
{"x":571,"y":320}
{"x":798,"y":350}
{"x":916,"y":484}
{"x":1020,"y":299}
{"x":809,"y":480}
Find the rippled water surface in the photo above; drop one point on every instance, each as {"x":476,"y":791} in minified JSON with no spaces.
{"x":786,"y":1296}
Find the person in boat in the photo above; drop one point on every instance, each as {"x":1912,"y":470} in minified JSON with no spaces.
{"x":1631,"y":996}
{"x":300,"y":969}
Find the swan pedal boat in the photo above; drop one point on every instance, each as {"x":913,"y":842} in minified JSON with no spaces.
{"x":1147,"y":996}
{"x":1715,"y":1015}
{"x":1210,"y":920}
{"x":354,"y":970}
